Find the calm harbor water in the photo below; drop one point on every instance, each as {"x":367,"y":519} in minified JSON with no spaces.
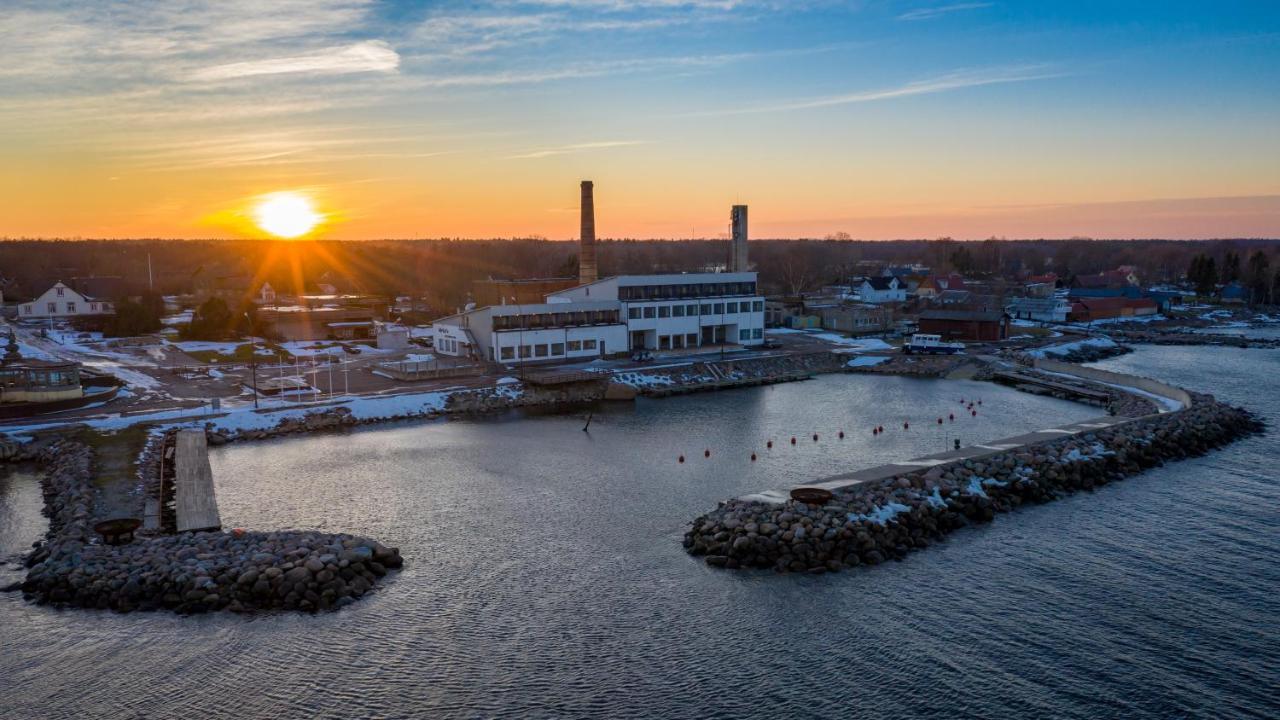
{"x":544,"y":575}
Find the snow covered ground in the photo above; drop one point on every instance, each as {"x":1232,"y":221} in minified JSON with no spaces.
{"x":867,"y":361}
{"x":864,"y":344}
{"x":1067,"y":348}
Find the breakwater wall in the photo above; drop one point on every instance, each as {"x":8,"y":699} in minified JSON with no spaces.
{"x":197,"y":572}
{"x":868,"y":517}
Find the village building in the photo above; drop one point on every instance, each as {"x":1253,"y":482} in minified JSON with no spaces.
{"x":965,"y":325}
{"x":856,"y":318}
{"x":1107,"y":308}
{"x":886,"y":289}
{"x":937,"y":284}
{"x":60,"y":301}
{"x":1049,"y":310}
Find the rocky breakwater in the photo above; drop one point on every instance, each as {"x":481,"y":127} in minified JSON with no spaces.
{"x":190,"y":573}
{"x":873,"y":522}
{"x":14,"y":451}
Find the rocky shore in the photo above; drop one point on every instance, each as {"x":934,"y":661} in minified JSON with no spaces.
{"x":236,"y":571}
{"x":870,"y":523}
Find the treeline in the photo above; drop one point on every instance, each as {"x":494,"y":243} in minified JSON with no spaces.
{"x":442,"y":271}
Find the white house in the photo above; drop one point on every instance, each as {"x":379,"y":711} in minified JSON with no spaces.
{"x":61,"y":301}
{"x":883,"y":290}
{"x":684,"y":310}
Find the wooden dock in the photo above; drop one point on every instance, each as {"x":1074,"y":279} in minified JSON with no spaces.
{"x":195,"y":504}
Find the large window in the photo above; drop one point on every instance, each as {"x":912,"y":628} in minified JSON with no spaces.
{"x":691,"y":340}
{"x":758,"y":306}
{"x":575,"y":345}
{"x":719,"y":309}
{"x":526,"y":351}
{"x":731,"y":308}
{"x":557,"y":348}
{"x":589,"y":344}
{"x":664,"y":311}
{"x":53,"y":307}
{"x":633,"y":313}
{"x":744,"y":334}
{"x":691,"y":310}
{"x":677,"y":311}
{"x":71,"y":307}
{"x":757,"y":333}
{"x":649,"y":312}
{"x":508,"y":353}
{"x":706,"y":309}
{"x":540,"y":350}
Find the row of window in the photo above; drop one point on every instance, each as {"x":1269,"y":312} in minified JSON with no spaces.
{"x":447,"y":345}
{"x":543,"y":350}
{"x":661,"y":311}
{"x":560,"y":319}
{"x":677,"y":342}
{"x":52,"y":308}
{"x":692,"y":290}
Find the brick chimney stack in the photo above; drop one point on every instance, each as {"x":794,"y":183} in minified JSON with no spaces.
{"x":587,"y":236}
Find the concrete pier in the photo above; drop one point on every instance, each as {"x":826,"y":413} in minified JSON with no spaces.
{"x":194,"y":500}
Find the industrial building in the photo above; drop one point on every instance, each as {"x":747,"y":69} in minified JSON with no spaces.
{"x":603,"y":317}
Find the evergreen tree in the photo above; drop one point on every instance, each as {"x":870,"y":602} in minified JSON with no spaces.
{"x":1259,"y":277}
{"x":1230,"y":268}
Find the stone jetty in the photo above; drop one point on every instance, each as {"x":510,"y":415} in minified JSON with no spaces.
{"x":869,"y":523}
{"x":198,"y":572}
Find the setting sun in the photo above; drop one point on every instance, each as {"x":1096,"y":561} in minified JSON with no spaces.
{"x":286,"y":214}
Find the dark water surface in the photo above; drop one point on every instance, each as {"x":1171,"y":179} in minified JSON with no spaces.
{"x":544,"y":576}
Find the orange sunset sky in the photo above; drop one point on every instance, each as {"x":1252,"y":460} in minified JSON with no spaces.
{"x":478,"y":119}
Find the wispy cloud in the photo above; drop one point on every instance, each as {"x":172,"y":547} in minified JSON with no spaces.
{"x":576,"y":148}
{"x":930,"y":13}
{"x":368,"y":56}
{"x":957,"y":80}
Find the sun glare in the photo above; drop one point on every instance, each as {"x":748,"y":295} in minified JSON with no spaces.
{"x":286,"y":214}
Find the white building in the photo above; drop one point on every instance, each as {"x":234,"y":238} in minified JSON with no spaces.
{"x":1051,"y":309}
{"x":533,"y":333}
{"x":613,"y":316}
{"x":882,"y":290}
{"x":392,"y":337}
{"x":61,"y":301}
{"x":685,"y":310}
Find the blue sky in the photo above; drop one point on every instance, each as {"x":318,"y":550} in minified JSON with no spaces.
{"x":882,"y":119}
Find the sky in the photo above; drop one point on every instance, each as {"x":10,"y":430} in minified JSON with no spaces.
{"x":879,"y":118}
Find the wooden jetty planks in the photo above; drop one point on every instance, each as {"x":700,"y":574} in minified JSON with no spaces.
{"x":194,"y":500}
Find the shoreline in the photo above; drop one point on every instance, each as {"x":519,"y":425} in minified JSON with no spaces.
{"x":877,"y":514}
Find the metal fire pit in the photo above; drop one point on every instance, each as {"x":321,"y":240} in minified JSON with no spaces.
{"x":812,"y":496}
{"x":118,"y":531}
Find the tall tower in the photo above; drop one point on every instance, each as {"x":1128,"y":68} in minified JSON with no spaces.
{"x":587,"y":236}
{"x":738,"y":246}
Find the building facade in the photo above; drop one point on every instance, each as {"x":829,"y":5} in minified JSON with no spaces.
{"x":886,"y":289}
{"x":678,"y":311}
{"x":966,"y":325}
{"x":543,"y":332}
{"x":61,"y":301}
{"x":1053,"y":309}
{"x":611,"y":317}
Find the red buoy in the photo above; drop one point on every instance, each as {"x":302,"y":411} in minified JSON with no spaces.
{"x":793,"y":441}
{"x":706,"y":453}
{"x":681,"y":458}
{"x":951,"y":417}
{"x":880,"y":428}
{"x":973,"y":413}
{"x":815,"y":437}
{"x":906,"y":426}
{"x":753,"y":457}
{"x":939,"y":421}
{"x":841,"y":434}
{"x":769,"y":444}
